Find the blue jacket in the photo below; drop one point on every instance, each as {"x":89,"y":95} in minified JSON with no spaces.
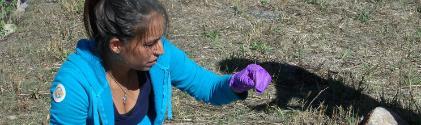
{"x":85,"y":97}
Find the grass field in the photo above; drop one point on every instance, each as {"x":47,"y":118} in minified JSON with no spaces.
{"x":332,"y":60}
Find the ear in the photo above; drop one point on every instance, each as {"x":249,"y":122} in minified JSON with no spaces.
{"x":115,"y":45}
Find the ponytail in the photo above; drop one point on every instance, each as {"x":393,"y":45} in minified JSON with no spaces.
{"x":88,"y":17}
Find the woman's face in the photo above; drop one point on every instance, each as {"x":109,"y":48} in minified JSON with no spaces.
{"x":142,"y":53}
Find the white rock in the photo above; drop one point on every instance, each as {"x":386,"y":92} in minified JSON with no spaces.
{"x":8,"y":29}
{"x":381,"y":116}
{"x":12,"y":117}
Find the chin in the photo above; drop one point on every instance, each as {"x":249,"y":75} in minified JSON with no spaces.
{"x":141,"y":68}
{"x":144,"y":68}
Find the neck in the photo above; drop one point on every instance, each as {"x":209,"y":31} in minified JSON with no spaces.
{"x":120,"y":72}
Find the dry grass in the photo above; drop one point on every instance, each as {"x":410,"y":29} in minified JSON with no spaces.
{"x":332,"y":60}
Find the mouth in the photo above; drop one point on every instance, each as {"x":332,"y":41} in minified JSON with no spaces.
{"x":151,"y":63}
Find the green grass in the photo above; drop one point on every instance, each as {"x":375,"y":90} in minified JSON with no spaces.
{"x":260,"y":46}
{"x":6,"y":10}
{"x":264,"y":2}
{"x":73,"y":6}
{"x":321,"y":3}
{"x":277,"y":29}
{"x":418,"y":33}
{"x":346,"y":54}
{"x":412,"y":77}
{"x":212,"y":35}
{"x":363,"y":16}
{"x":376,"y":1}
{"x":2,"y":32}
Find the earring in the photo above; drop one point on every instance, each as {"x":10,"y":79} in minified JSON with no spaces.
{"x":117,"y":51}
{"x":117,"y":56}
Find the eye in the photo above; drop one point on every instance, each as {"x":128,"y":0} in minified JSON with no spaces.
{"x":151,"y":44}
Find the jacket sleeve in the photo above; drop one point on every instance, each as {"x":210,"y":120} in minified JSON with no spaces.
{"x":69,"y":101}
{"x":197,"y":81}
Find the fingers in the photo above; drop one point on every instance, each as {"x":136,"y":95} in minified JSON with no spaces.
{"x":242,"y":82}
{"x":260,"y":77}
{"x":253,"y":76}
{"x":262,"y":82}
{"x":247,"y":81}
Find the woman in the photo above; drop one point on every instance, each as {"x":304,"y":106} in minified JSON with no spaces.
{"x":123,"y":75}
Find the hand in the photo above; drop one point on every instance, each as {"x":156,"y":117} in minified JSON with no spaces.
{"x":253,"y":76}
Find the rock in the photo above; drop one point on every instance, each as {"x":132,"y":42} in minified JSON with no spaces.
{"x":265,"y":14}
{"x":12,"y":117}
{"x":381,"y":116}
{"x":9,"y":28}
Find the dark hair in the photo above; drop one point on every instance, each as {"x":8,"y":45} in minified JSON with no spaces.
{"x":123,"y":19}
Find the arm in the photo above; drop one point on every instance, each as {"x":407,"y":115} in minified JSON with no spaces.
{"x":69,"y":103}
{"x":199,"y":82}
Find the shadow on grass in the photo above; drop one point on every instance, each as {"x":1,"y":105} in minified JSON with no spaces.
{"x":297,"y":82}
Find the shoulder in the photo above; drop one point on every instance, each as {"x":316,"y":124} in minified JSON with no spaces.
{"x":68,"y":84}
{"x":78,"y":66}
{"x":68,"y":74}
{"x":169,"y":46}
{"x":73,"y":79}
{"x":172,"y":54}
{"x":171,"y":50}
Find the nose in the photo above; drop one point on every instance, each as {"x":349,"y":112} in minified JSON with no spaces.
{"x":158,"y":48}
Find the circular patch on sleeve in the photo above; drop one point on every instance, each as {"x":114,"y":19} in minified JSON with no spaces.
{"x":59,"y":93}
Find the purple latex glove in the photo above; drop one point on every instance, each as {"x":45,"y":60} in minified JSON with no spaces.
{"x":253,"y":76}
